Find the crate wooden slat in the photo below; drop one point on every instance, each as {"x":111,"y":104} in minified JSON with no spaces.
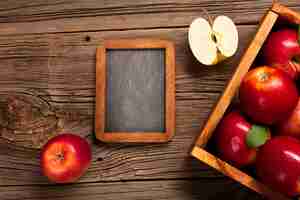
{"x":236,"y":174}
{"x":289,"y":14}
{"x":220,"y":108}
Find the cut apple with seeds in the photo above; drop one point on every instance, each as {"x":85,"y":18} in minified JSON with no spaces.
{"x":214,"y":43}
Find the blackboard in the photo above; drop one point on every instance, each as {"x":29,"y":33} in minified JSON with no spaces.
{"x":135,"y":91}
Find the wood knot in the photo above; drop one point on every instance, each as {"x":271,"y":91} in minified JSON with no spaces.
{"x":26,"y":120}
{"x":87,"y":38}
{"x":18,"y":111}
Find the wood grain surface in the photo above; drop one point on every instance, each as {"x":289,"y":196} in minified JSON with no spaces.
{"x":160,"y":189}
{"x":47,"y":59}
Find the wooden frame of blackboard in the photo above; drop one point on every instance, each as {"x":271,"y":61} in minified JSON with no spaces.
{"x":101,"y":77}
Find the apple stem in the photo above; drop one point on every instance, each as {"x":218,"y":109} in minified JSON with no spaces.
{"x":210,"y":20}
{"x":296,"y":59}
{"x":264,"y":76}
{"x":60,"y":156}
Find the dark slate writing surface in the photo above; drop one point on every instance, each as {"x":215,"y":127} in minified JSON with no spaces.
{"x":135,"y":92}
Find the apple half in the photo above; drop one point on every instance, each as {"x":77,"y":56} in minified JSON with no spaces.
{"x":214,"y":43}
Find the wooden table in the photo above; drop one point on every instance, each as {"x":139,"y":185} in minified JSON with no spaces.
{"x":47,"y":59}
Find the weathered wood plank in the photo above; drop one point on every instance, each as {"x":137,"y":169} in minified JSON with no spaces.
{"x":61,"y":72}
{"x":53,"y":76}
{"x":146,"y":190}
{"x":25,"y":17}
{"x":36,"y":10}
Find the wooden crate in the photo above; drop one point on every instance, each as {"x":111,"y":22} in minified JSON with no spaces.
{"x":226,"y":98}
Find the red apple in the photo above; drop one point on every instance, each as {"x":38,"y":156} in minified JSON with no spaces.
{"x":237,"y":140}
{"x":267,"y":95}
{"x":278,"y":164}
{"x":291,"y":125}
{"x":282,"y":50}
{"x":65,"y":158}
